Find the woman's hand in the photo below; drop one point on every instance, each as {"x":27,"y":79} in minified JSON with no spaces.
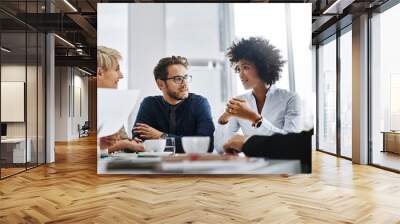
{"x":135,"y":145}
{"x":126,"y":144}
{"x":234,"y":145}
{"x":224,"y":118}
{"x":240,"y":108}
{"x":108,"y":141}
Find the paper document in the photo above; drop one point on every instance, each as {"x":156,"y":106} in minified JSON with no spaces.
{"x":113,"y":109}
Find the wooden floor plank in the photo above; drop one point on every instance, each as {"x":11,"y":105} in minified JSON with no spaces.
{"x":70,"y":191}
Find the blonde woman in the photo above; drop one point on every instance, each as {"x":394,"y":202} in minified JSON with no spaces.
{"x":108,"y":76}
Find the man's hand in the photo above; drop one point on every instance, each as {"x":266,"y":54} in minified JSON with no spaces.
{"x":147,"y":132}
{"x":241,"y":109}
{"x":108,"y":141}
{"x":235,"y":144}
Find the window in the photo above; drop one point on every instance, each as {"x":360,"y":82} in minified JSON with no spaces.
{"x":385,"y":86}
{"x":327,"y":96}
{"x":249,"y":20}
{"x":346,"y":94}
{"x":287,"y":27}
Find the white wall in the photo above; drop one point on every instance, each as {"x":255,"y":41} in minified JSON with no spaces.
{"x":33,"y":126}
{"x":61,"y":103}
{"x":146,"y":47}
{"x":112,"y":31}
{"x":67,"y":114}
{"x":84,"y":83}
{"x":172,"y":30}
{"x":80,"y":108}
{"x":193,"y":31}
{"x":12,"y":73}
{"x":12,"y":101}
{"x":187,"y":24}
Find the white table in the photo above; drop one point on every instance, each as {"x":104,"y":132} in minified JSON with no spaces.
{"x":268,"y":167}
{"x":18,"y":147}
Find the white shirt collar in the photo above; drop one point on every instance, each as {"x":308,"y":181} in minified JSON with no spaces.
{"x":271,"y":89}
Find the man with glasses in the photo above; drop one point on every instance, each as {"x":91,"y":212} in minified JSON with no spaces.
{"x":177,"y":112}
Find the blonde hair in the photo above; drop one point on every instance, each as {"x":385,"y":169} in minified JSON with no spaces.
{"x":107,"y":57}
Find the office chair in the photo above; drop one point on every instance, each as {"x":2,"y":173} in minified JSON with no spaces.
{"x":84,"y":130}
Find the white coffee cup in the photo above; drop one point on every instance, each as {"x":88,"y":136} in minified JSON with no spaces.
{"x":196,"y":144}
{"x":154,"y":145}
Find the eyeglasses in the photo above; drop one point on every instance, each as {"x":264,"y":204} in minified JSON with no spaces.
{"x":179,"y":79}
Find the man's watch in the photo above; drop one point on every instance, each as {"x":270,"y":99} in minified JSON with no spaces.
{"x":257,"y":123}
{"x":164,"y":135}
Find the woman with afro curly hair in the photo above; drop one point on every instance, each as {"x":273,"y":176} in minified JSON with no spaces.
{"x":266,"y":110}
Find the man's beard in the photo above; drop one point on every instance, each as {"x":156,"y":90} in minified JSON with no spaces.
{"x":176,"y":95}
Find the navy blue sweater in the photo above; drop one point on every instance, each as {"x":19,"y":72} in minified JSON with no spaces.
{"x":192,"y":118}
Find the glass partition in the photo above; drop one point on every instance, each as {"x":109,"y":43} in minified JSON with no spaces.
{"x":22,"y":89}
{"x":13,"y":93}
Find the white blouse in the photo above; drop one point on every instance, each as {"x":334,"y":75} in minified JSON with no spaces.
{"x":281,"y":114}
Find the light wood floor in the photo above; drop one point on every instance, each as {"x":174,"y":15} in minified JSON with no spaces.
{"x":10,"y":171}
{"x":70,"y":191}
{"x":5,"y":172}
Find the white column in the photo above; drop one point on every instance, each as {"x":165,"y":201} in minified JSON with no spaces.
{"x":50,"y":98}
{"x":360,"y":90}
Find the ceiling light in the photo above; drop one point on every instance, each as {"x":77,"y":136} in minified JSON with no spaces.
{"x":70,"y":5}
{"x":338,"y":6}
{"x":79,"y":51}
{"x":5,"y":50}
{"x":84,"y":71}
{"x":64,"y":40}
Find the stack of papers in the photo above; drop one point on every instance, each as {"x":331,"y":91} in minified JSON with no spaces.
{"x":113,"y":109}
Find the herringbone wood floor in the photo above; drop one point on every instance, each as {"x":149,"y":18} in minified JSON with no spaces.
{"x":70,"y":191}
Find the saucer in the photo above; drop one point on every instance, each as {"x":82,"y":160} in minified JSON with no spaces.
{"x":153,"y":154}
